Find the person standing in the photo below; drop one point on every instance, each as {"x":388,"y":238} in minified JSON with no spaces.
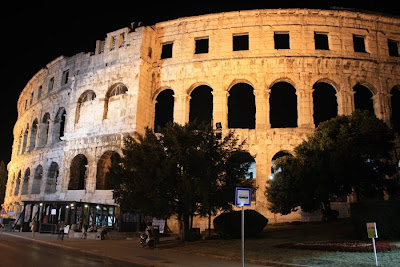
{"x":61,"y":226}
{"x":34,"y":225}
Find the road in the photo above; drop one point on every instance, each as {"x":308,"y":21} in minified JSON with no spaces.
{"x":15,"y":252}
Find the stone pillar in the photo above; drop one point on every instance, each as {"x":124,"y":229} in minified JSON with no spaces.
{"x":304,"y":108}
{"x":181,"y":108}
{"x":345,"y":99}
{"x":220,"y":108}
{"x":262,"y":109}
{"x":381,"y":103}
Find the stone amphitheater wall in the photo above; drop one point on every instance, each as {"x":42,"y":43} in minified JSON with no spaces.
{"x":134,"y":61}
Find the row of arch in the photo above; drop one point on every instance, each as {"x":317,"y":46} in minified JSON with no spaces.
{"x":39,"y":134}
{"x":282,"y":100}
{"x":78,"y":176}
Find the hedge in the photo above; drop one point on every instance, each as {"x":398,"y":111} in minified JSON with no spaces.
{"x":228,"y":224}
{"x":386,"y":215}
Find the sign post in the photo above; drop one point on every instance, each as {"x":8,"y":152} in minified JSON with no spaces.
{"x":243,"y":198}
{"x":372,"y":233}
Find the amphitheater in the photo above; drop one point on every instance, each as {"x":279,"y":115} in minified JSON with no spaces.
{"x":271,"y":75}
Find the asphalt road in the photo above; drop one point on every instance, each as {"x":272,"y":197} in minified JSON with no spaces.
{"x":15,"y":252}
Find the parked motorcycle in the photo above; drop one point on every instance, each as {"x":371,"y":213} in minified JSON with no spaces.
{"x":147,"y":239}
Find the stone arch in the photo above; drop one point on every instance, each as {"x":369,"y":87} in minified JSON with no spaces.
{"x":395,"y":108}
{"x":324,"y":102}
{"x":114,"y":90}
{"x":44,"y":130}
{"x":37,"y":180}
{"x":52,"y":175}
{"x":283,"y":105}
{"x":25,"y":182}
{"x":25,"y":139}
{"x":59,"y":125}
{"x":78,"y":173}
{"x":17,"y":184}
{"x":87,"y":96}
{"x":241,"y":106}
{"x":278,"y":155}
{"x":363,"y":98}
{"x":164,"y":109}
{"x":34,"y":130}
{"x":108,"y":159}
{"x":201,"y":105}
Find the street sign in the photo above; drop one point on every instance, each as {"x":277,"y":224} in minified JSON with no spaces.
{"x":243,"y":197}
{"x":371,"y":230}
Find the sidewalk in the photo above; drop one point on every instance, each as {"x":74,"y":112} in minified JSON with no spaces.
{"x":167,"y":252}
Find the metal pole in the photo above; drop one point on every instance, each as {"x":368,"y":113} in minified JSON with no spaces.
{"x":243,"y":236}
{"x":376,"y":257}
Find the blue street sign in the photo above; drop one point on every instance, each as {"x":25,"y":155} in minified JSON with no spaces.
{"x":243,"y":197}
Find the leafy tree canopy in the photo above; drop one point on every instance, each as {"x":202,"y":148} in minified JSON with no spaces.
{"x":184,"y":171}
{"x":347,"y":154}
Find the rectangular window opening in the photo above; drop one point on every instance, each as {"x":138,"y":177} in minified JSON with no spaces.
{"x":321,"y":41}
{"x":282,"y":40}
{"x":393,"y":48}
{"x":359,"y":43}
{"x":240,"y":42}
{"x":201,"y":46}
{"x":51,"y":84}
{"x":166,"y":51}
{"x":64,"y":79}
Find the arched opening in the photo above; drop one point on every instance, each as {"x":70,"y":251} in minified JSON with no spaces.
{"x":25,"y":183}
{"x":283,"y":105}
{"x":108,"y":159}
{"x":241,"y":107}
{"x":44,"y":130}
{"x":274,"y":169}
{"x":325,"y":102}
{"x":17,"y":184}
{"x":59,"y":125}
{"x":115,"y":90}
{"x":363,"y":98}
{"x":164,"y":109}
{"x":395,"y":109}
{"x":34,"y":130}
{"x":52,"y":175}
{"x":86,"y":98}
{"x":37,"y":180}
{"x":25,"y":140}
{"x":201,"y":105}
{"x":78,"y":173}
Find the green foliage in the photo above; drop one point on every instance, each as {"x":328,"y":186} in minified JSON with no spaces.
{"x":345,"y":153}
{"x":384,"y":213}
{"x":228,"y":224}
{"x":184,"y":171}
{"x":3,"y":181}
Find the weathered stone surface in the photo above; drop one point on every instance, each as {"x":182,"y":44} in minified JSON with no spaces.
{"x":94,"y":127}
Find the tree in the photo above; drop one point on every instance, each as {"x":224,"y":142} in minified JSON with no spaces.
{"x":347,"y":154}
{"x":3,"y":181}
{"x":184,"y":171}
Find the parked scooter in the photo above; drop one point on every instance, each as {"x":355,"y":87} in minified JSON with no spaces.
{"x":147,"y":238}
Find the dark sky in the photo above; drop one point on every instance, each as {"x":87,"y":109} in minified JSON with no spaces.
{"x":34,"y":34}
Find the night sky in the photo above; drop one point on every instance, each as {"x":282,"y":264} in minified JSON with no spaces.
{"x":34,"y":34}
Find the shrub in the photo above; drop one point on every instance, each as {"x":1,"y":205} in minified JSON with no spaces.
{"x":228,"y":224}
{"x":384,"y":213}
{"x":345,"y":246}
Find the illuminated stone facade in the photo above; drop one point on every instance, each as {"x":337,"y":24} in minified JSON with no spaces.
{"x":92,"y":100}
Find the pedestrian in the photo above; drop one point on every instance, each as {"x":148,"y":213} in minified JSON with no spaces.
{"x":33,"y":225}
{"x":83,"y":231}
{"x":61,"y":226}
